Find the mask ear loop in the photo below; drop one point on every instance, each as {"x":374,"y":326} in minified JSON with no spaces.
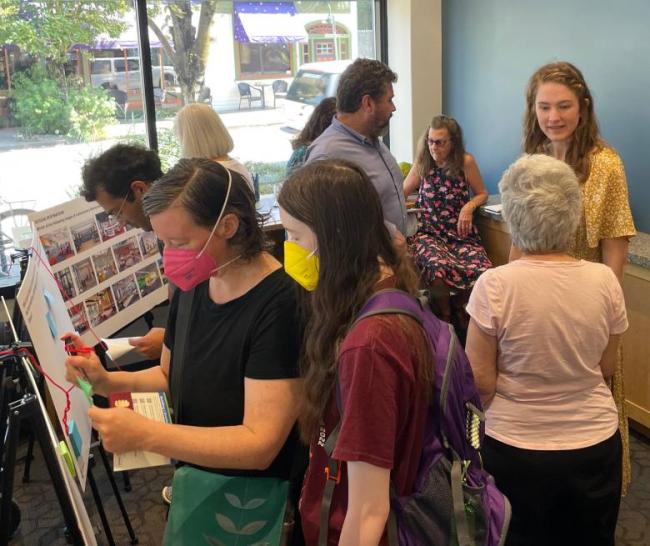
{"x":223,"y":209}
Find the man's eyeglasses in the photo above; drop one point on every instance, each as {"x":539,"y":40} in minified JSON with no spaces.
{"x":117,"y":215}
{"x":437,"y":142}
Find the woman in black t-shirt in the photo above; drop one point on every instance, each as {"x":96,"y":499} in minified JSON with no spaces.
{"x":236,"y":396}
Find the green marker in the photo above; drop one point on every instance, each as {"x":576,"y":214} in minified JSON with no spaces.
{"x":86,"y":388}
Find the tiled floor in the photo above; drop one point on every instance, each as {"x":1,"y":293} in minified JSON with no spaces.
{"x":41,"y":517}
{"x":634,"y":518}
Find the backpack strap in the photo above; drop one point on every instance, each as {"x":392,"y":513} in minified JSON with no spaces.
{"x":332,"y":478}
{"x":384,"y":302}
{"x":458,"y":503}
{"x":391,"y":302}
{"x":446,"y":378}
{"x":183,"y":315}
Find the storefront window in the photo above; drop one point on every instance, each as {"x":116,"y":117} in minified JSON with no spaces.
{"x":262,"y":59}
{"x":254,"y":42}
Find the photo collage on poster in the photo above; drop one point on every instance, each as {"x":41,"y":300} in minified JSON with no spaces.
{"x":102,"y":267}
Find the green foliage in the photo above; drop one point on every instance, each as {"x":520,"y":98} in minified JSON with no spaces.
{"x":92,"y":109}
{"x":270,"y":174}
{"x":48,"y":28}
{"x":405,"y":167}
{"x":40,"y":104}
{"x":42,"y":107}
{"x":169,"y":153}
{"x":169,"y":150}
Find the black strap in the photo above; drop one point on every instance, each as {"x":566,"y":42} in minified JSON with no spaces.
{"x":332,"y":477}
{"x":183,"y":315}
{"x":334,"y":467}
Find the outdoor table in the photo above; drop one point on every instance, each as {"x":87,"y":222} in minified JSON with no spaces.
{"x":262,"y":87}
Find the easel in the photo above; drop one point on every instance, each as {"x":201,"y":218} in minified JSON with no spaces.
{"x":31,"y":408}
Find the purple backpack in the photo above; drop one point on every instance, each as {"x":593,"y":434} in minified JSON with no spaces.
{"x":454,"y":500}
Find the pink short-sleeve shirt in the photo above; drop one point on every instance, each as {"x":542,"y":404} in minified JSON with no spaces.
{"x":552,"y":322}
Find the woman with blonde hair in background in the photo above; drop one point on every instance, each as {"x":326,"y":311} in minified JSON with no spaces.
{"x":201,"y":133}
{"x":560,"y":121}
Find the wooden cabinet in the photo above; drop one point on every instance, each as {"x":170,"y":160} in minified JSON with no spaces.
{"x":636,"y":344}
{"x":495,"y":237}
{"x":636,"y":341}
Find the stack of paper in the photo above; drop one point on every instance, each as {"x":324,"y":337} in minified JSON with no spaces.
{"x":493,"y":209}
{"x":152,"y":405}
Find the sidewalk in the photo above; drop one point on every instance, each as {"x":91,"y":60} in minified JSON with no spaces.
{"x":10,"y":138}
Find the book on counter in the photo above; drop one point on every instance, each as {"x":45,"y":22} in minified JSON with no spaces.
{"x":494,"y":210}
{"x":152,"y":405}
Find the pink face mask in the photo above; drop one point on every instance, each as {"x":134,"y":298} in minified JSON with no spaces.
{"x":187,"y":268}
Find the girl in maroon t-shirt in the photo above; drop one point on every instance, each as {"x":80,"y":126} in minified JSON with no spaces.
{"x":374,"y":376}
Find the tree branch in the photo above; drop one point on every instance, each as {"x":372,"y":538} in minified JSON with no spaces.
{"x":163,"y":39}
{"x":202,"y":43}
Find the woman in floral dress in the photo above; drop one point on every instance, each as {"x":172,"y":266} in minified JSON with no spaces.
{"x":447,"y":247}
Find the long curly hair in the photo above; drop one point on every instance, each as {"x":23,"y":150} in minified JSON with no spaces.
{"x":320,"y":119}
{"x":456,"y":159}
{"x":340,"y":205}
{"x":586,"y":136}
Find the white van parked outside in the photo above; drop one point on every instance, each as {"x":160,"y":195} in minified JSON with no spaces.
{"x":313,"y":83}
{"x":125,"y":73}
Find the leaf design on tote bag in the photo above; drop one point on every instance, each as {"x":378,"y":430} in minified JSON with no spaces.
{"x":213,"y":541}
{"x":233,"y":500}
{"x":252,"y":504}
{"x":252,"y":528}
{"x":226,"y":524}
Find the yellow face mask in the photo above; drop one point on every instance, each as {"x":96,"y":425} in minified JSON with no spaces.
{"x":301,"y":265}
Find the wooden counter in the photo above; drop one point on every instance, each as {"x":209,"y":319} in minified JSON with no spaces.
{"x":495,"y":237}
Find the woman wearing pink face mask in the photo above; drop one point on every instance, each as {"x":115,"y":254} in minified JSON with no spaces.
{"x":234,"y":388}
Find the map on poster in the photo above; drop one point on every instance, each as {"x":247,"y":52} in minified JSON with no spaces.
{"x":46,"y":318}
{"x":109,"y":274}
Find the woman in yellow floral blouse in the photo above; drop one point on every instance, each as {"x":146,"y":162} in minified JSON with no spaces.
{"x":560,"y":122}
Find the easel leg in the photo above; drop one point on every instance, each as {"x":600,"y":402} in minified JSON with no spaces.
{"x":28,"y":407}
{"x":127,"y":481}
{"x":13,"y":432}
{"x":98,"y":502}
{"x":29,"y":458}
{"x":30,"y":446}
{"x":116,"y":492}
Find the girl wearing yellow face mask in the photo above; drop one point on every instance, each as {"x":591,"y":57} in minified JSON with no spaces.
{"x":372,"y":376}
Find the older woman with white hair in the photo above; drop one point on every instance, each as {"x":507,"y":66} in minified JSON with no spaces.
{"x":542,"y":339}
{"x":201,"y":133}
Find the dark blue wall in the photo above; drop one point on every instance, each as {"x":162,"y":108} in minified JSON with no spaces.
{"x":491,"y":48}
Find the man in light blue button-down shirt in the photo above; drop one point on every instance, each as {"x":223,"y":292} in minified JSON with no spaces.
{"x":364,"y":104}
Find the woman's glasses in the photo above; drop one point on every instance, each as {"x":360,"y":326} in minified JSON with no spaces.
{"x":437,"y":142}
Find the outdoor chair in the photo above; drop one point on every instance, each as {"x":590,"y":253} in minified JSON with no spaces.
{"x":246,"y":93}
{"x":205,"y":95}
{"x":279,"y":90}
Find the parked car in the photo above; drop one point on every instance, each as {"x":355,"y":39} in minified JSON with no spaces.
{"x":113,"y":71}
{"x":313,"y":82}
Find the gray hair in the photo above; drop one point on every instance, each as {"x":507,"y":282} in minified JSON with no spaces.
{"x":201,"y":133}
{"x":541,"y":202}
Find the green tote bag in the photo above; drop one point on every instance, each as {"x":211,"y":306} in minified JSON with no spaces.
{"x":216,"y":510}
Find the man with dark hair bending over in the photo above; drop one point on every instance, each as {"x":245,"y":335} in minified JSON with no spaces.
{"x":118,"y":179}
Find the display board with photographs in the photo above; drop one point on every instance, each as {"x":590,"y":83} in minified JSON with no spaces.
{"x":109,"y":274}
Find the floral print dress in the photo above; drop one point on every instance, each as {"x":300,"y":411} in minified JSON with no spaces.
{"x":439,"y":251}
